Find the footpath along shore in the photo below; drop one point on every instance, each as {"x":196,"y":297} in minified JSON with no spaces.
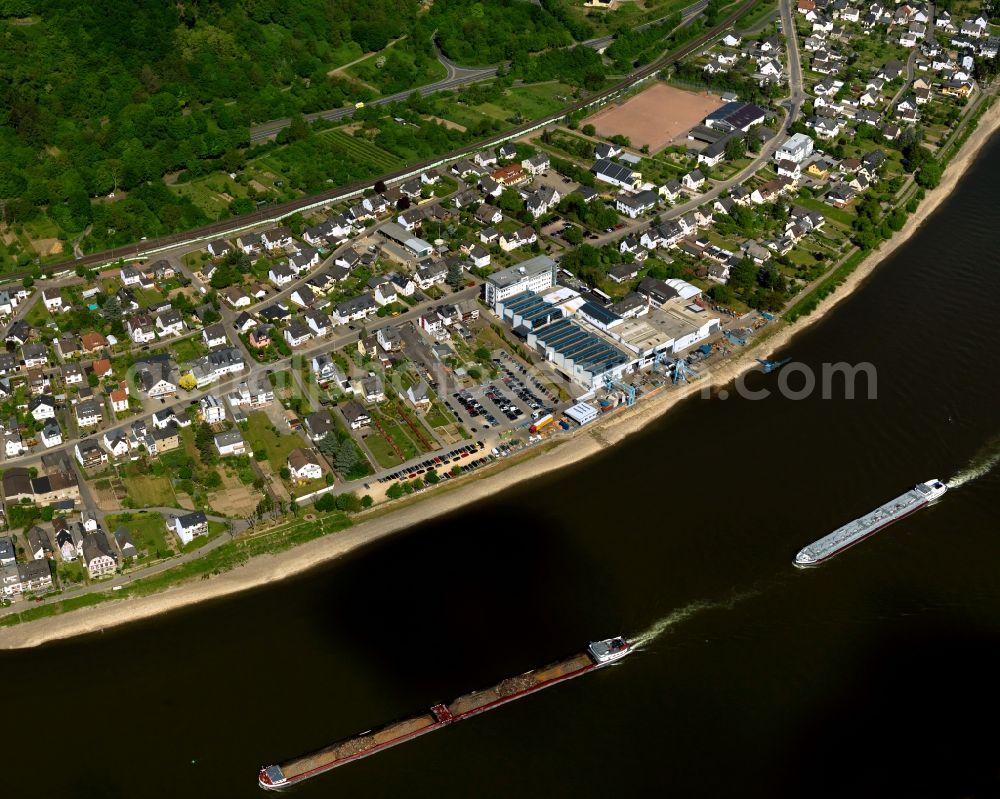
{"x":586,"y":442}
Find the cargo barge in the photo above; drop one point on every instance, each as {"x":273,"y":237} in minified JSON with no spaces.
{"x":290,"y":772}
{"x":861,"y":528}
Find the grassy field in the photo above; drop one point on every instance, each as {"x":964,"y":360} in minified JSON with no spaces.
{"x":212,"y":194}
{"x":530,"y":102}
{"x":381,"y":450}
{"x":38,"y":315}
{"x":188,"y":349}
{"x":437,"y":416}
{"x":150,"y":491}
{"x":148,"y":531}
{"x":260,"y":435}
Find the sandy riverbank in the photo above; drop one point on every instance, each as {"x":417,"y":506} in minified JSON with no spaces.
{"x":584,"y":444}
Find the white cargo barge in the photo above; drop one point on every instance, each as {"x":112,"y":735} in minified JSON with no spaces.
{"x":851,"y":533}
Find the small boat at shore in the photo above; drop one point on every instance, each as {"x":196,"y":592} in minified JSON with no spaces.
{"x":597,"y":654}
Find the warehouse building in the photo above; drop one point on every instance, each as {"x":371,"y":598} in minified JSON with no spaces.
{"x":583,"y":356}
{"x":582,"y":413}
{"x":401,"y":237}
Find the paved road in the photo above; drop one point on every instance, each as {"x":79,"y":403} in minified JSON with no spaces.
{"x":796,"y":90}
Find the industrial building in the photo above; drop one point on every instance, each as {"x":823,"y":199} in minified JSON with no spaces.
{"x":527,"y":311}
{"x":535,"y":274}
{"x":581,"y":355}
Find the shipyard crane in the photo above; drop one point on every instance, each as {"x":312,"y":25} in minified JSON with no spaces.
{"x":611,"y":384}
{"x":682,"y":372}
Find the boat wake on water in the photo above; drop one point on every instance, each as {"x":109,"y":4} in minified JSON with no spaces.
{"x":675,"y":617}
{"x":980,"y":465}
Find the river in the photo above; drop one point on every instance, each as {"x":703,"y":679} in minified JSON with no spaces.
{"x":874,"y":675}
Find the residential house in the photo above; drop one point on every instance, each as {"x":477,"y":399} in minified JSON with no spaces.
{"x":154,"y":379}
{"x":230,"y":442}
{"x":125,"y":544}
{"x":52,"y":298}
{"x":303,"y":297}
{"x":38,"y":545}
{"x":89,"y":413}
{"x":73,"y":374}
{"x":215,"y":336}
{"x":211,"y":409}
{"x":304,"y":465}
{"x":319,"y":425}
{"x":42,"y":408}
{"x":188,"y":526}
{"x":636,"y":205}
{"x":140,"y":329}
{"x":119,"y":398}
{"x":260,"y":337}
{"x":98,"y":556}
{"x":319,"y":322}
{"x":281,"y":275}
{"x":523,"y":237}
{"x":276,"y":238}
{"x":354,"y":309}
{"x":51,"y":434}
{"x":693,"y":181}
{"x":170,"y":323}
{"x":89,"y":454}
{"x":355,"y":415}
{"x":116,"y":443}
{"x":297,"y":333}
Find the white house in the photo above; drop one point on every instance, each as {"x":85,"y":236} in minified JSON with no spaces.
{"x":12,"y":444}
{"x":116,"y":443}
{"x":304,"y":465}
{"x":212,"y":410}
{"x":297,"y":333}
{"x":98,"y":556}
{"x":129,"y":276}
{"x":276,"y":238}
{"x":693,"y":180}
{"x":140,"y":329}
{"x":88,"y":413}
{"x":170,"y":322}
{"x":230,"y":442}
{"x":42,"y":408}
{"x":214,"y":336}
{"x":53,"y":300}
{"x":635,"y":205}
{"x":796,"y":149}
{"x":51,"y":434}
{"x":189,"y":525}
{"x":280,"y":275}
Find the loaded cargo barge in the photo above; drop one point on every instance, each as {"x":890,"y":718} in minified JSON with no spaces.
{"x":597,"y":654}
